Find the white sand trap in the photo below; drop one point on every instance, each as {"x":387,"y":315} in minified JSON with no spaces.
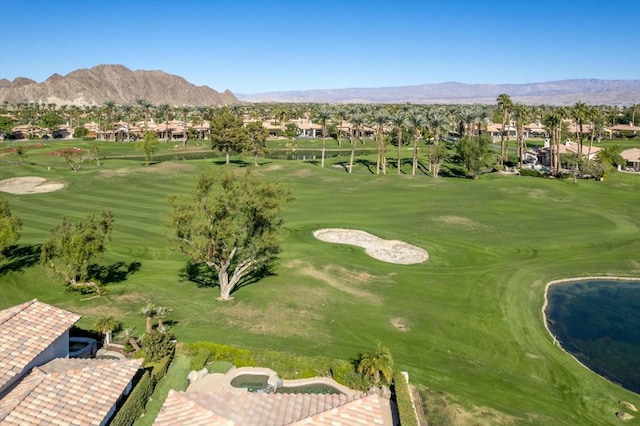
{"x":392,"y":251}
{"x":29,"y":185}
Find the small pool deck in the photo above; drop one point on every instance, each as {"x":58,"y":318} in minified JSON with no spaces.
{"x":216,"y":382}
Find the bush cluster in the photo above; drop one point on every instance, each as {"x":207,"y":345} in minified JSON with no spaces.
{"x":403,"y":400}
{"x":199,"y":360}
{"x":530,"y":172}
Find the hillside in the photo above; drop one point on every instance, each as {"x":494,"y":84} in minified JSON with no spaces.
{"x":117,"y":83}
{"x":565,"y":92}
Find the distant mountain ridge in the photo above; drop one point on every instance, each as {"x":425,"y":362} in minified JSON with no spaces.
{"x":114,"y":83}
{"x":563,"y":92}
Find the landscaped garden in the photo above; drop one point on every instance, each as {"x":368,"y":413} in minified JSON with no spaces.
{"x":466,"y":323}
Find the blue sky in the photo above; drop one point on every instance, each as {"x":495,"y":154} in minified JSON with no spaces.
{"x":259,"y":46}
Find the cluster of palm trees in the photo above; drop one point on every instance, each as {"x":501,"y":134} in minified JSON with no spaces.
{"x":400,"y":124}
{"x":107,"y":325}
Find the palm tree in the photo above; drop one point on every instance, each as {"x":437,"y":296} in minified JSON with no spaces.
{"x":324,"y":114}
{"x":149,"y":310}
{"x":398,"y":120}
{"x":381,"y":118}
{"x":521,"y":114}
{"x":579,"y":114}
{"x":106,"y":325}
{"x":160,"y":313}
{"x":358,"y":121}
{"x":129,"y":336}
{"x":416,"y":122}
{"x":376,"y":363}
{"x":342,"y":114}
{"x":506,"y":104}
{"x":145,"y":106}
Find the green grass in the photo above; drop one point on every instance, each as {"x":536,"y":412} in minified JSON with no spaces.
{"x":472,"y":312}
{"x":175,"y":379}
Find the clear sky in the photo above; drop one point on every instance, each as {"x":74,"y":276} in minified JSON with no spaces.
{"x":252,"y":46}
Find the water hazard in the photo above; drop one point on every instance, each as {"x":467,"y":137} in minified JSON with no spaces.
{"x":598,"y":322}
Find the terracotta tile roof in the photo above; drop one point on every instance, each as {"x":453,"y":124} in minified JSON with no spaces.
{"x":261,"y":409}
{"x":631,"y":154}
{"x":26,"y":331}
{"x":68,"y":392}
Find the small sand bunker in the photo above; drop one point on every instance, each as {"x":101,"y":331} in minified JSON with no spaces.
{"x":391,"y":251}
{"x":29,"y":185}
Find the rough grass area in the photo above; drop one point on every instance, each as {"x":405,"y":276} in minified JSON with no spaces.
{"x":467,"y":323}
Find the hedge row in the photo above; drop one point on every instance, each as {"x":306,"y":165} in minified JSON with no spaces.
{"x":134,"y":405}
{"x":403,"y":400}
{"x":286,"y":365}
{"x":137,"y":399}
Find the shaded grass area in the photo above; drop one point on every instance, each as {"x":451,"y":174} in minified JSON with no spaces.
{"x":175,"y":379}
{"x":472,"y":325}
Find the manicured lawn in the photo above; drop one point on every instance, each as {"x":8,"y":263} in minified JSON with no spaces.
{"x":175,"y":379}
{"x":471,"y":313}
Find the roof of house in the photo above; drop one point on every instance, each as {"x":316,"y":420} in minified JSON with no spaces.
{"x":256,"y":409}
{"x":68,"y":391}
{"x":25,"y":331}
{"x":631,"y":154}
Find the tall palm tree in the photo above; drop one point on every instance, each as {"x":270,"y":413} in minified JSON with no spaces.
{"x":416,"y":122}
{"x":106,"y":325}
{"x":381,"y":118}
{"x":145,"y":106}
{"x":376,"y":363}
{"x":579,"y":114}
{"x":149,"y":310}
{"x":522,"y":115}
{"x":358,"y":121}
{"x":506,"y":104}
{"x":398,"y":120}
{"x":324,"y":114}
{"x":342,"y":115}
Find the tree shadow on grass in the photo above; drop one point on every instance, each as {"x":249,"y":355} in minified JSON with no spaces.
{"x":20,"y":257}
{"x":114,"y":273}
{"x":203,"y":276}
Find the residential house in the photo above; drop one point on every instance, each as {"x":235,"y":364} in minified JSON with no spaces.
{"x":39,"y":384}
{"x":632,"y":158}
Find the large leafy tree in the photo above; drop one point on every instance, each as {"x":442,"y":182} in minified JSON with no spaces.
{"x":473,"y":154}
{"x":376,"y":364}
{"x":257,"y":136}
{"x":227,"y":133}
{"x":149,"y":145}
{"x":71,"y":246}
{"x":230,"y":224}
{"x":10,"y":226}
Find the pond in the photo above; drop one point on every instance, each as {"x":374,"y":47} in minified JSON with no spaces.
{"x":598,"y":322}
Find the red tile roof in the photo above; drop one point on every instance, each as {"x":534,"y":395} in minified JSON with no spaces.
{"x":25,"y":332}
{"x":68,"y":392}
{"x":261,"y":409}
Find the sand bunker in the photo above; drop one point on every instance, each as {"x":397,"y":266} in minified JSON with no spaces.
{"x":29,"y":185}
{"x":391,"y":251}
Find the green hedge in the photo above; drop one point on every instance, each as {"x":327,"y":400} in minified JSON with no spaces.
{"x":134,"y":405}
{"x":403,"y":400}
{"x":160,"y":368}
{"x":199,"y":360}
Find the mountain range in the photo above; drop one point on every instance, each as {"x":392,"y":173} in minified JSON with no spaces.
{"x":119,"y":84}
{"x":115,"y":83}
{"x":564,"y":92}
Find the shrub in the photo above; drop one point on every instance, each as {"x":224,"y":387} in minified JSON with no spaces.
{"x":200,"y":359}
{"x":530,"y":172}
{"x":219,"y":366}
{"x":157,"y":345}
{"x":134,"y":405}
{"x":239,"y":357}
{"x":403,"y":400}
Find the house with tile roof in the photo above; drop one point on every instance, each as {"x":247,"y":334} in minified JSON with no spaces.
{"x":632,"y":158}
{"x":272,"y":409}
{"x":39,"y":384}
